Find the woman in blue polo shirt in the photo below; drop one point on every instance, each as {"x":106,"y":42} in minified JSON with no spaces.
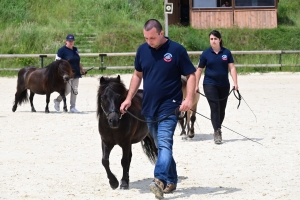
{"x":70,"y":53}
{"x":218,"y":61}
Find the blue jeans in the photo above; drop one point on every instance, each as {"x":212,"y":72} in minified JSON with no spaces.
{"x":162,"y":133}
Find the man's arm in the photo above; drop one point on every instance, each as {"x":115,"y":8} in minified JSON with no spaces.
{"x":198,"y":76}
{"x":134,"y":86}
{"x":190,"y":91}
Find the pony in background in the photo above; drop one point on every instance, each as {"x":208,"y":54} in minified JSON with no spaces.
{"x":43,"y":81}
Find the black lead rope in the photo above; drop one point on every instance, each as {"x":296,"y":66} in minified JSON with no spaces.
{"x":222,"y":125}
{"x":88,"y":70}
{"x":81,"y":74}
{"x":73,"y":88}
{"x":238,"y":96}
{"x":217,"y":99}
{"x":176,"y":112}
{"x":228,"y":128}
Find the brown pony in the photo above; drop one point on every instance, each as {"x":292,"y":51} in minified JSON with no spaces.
{"x":123,"y":130}
{"x":52,"y":78}
{"x":191,"y":116}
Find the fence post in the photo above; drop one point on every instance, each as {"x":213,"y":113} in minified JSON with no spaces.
{"x":280,"y":60}
{"x":42,"y":60}
{"x":102,"y":61}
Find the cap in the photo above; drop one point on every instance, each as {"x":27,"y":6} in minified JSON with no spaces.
{"x":70,"y":37}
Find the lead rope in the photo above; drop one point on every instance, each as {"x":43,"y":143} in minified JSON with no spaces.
{"x":73,"y":89}
{"x":222,"y":125}
{"x":176,"y":112}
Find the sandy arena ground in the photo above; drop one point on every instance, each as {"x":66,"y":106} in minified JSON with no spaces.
{"x":58,"y":155}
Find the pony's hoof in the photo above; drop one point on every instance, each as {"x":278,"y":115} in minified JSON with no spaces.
{"x":33,"y":110}
{"x":191,"y":135}
{"x":65,"y":110}
{"x":182,"y":133}
{"x":47,"y":111}
{"x":14,"y":108}
{"x":124,"y":185}
{"x":114,"y":184}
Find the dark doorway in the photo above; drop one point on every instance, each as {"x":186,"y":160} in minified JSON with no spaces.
{"x":184,"y":12}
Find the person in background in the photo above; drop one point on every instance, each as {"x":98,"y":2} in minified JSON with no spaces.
{"x":217,"y":60}
{"x":160,"y":62}
{"x":226,"y":4}
{"x":70,"y":53}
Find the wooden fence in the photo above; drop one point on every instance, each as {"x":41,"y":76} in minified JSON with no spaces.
{"x":198,"y":53}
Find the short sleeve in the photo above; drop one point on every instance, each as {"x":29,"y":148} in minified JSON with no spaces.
{"x":137,"y":64}
{"x":230,"y":58}
{"x":186,"y":66}
{"x":202,"y":61}
{"x":60,"y":54}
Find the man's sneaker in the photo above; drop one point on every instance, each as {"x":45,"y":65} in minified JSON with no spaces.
{"x":170,"y":188}
{"x":56,"y":105}
{"x":157,"y":187}
{"x":74,"y":110}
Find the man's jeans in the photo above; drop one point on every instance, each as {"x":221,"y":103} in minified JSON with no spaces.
{"x":162,"y":133}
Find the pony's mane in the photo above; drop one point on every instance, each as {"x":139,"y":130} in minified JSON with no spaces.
{"x":53,"y":78}
{"x":118,"y":87}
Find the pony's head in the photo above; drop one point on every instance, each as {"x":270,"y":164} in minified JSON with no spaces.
{"x":112,"y":92}
{"x":65,"y":70}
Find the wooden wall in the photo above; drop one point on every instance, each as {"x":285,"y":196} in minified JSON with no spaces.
{"x":255,"y":18}
{"x":211,"y":18}
{"x":243,"y":18}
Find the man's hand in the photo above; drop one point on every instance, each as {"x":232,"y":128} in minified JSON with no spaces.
{"x":186,"y":105}
{"x":125,"y":105}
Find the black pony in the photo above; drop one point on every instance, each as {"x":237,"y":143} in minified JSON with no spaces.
{"x":45,"y":81}
{"x":122,"y":130}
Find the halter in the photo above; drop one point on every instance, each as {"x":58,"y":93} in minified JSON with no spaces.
{"x":111,"y":111}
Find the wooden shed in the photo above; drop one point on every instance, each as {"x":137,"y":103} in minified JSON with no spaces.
{"x":254,"y":14}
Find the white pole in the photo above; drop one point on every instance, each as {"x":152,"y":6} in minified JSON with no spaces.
{"x":166,"y":20}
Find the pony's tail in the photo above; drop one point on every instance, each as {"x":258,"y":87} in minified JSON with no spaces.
{"x":149,"y":148}
{"x":21,"y":98}
{"x":21,"y":95}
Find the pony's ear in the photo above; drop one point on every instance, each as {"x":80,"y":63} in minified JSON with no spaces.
{"x":102,"y":80}
{"x":119,"y":78}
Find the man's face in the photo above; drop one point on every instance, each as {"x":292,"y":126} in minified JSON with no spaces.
{"x":153,"y":38}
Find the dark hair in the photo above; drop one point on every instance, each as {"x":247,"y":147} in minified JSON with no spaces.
{"x":218,"y":35}
{"x":153,"y":23}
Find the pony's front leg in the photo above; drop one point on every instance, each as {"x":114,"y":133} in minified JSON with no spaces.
{"x":65,"y":103}
{"x":126,"y":160}
{"x":191,"y":128}
{"x":47,"y":103}
{"x":31,"y":101}
{"x":181,"y":122}
{"x":106,"y":149}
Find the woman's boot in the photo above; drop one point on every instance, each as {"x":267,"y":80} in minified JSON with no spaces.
{"x":218,"y":136}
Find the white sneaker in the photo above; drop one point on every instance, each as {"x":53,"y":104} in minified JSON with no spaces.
{"x":74,"y":110}
{"x":56,"y":105}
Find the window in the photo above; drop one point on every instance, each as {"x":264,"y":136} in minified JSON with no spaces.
{"x":211,"y":3}
{"x":229,"y":3}
{"x":255,"y":3}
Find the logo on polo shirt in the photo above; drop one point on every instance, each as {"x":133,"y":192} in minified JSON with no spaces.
{"x":168,"y":57}
{"x":224,"y":57}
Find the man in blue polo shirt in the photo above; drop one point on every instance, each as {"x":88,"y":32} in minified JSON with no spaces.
{"x":160,"y":62}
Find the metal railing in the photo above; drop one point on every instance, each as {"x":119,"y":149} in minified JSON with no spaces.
{"x":102,"y":55}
